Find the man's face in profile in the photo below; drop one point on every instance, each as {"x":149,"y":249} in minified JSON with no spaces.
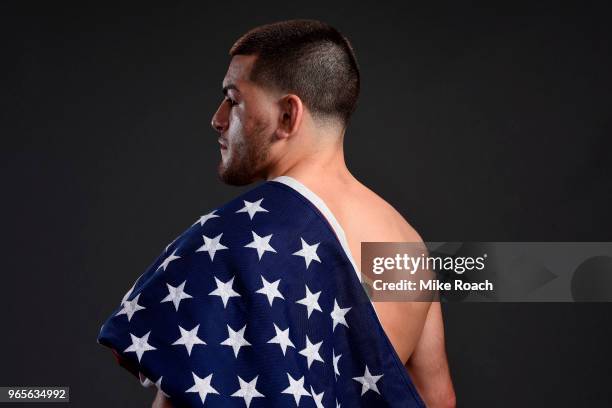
{"x":245,"y":122}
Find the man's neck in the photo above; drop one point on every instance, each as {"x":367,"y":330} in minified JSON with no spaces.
{"x":322,"y":166}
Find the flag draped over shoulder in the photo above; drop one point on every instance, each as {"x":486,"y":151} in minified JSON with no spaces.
{"x":259,"y":304}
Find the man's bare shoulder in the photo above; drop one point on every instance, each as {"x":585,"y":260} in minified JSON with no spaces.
{"x":376,"y":219}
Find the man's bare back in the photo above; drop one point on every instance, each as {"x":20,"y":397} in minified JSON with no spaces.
{"x":365,"y":217}
{"x":415,"y":329}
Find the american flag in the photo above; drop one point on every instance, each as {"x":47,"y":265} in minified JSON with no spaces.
{"x":259,"y":304}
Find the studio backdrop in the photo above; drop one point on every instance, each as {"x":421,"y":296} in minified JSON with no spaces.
{"x":475,"y":124}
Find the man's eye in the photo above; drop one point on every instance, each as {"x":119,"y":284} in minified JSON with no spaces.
{"x":231,"y":101}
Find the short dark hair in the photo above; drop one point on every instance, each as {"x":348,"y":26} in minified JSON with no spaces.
{"x":306,"y":57}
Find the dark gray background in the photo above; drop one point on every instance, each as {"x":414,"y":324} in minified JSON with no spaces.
{"x":476,"y":124}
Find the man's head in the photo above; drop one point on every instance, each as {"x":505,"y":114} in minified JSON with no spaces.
{"x":282,"y":76}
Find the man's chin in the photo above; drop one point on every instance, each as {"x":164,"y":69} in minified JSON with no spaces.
{"x":234,"y":178}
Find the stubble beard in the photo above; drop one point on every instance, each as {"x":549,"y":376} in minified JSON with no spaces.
{"x":247,"y":160}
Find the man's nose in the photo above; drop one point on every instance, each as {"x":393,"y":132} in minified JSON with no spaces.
{"x":220,"y":119}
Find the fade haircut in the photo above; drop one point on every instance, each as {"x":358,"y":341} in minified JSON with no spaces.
{"x":308,"y":58}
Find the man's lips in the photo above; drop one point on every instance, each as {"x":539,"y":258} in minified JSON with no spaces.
{"x":222,"y":144}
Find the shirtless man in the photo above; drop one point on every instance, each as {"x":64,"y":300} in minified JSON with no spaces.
{"x":289,"y":91}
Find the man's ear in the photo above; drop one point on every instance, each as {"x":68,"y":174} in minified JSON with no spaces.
{"x":290,"y":116}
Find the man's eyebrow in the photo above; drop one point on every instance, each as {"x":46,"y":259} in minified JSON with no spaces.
{"x":228,"y":87}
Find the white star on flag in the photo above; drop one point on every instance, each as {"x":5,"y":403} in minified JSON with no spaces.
{"x":235,"y":339}
{"x":211,"y":245}
{"x":169,"y":259}
{"x":318,"y":398}
{"x":368,"y":381}
{"x":336,"y":358}
{"x":202,"y":220}
{"x":338,"y":314}
{"x":282,"y":339}
{"x":296,"y":388}
{"x":310,"y":301}
{"x":176,"y":294}
{"x":337,"y":403}
{"x":247,"y":390}
{"x":261,"y":244}
{"x":139,"y":345}
{"x":224,"y":290}
{"x":309,"y":252}
{"x":311,"y":351}
{"x":128,"y":293}
{"x":270,"y":290}
{"x":252,"y":208}
{"x":130,"y":307}
{"x":202,"y":386}
{"x":189,"y":338}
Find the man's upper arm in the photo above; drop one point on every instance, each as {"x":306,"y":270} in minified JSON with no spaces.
{"x":428,"y":364}
{"x":403,"y":321}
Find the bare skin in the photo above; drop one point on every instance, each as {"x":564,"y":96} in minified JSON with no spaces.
{"x":266,"y":133}
{"x":428,"y":366}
